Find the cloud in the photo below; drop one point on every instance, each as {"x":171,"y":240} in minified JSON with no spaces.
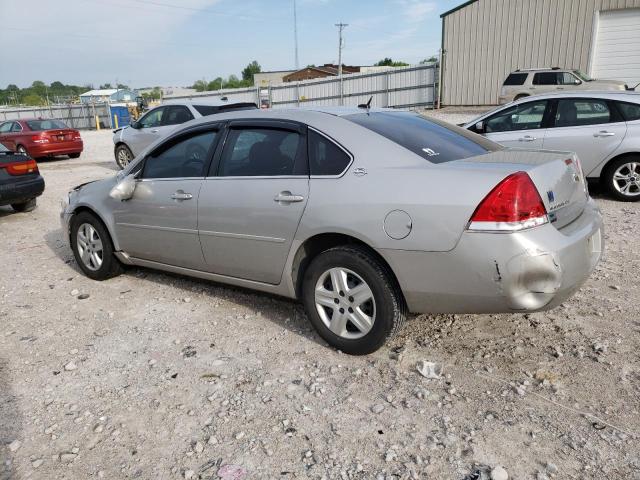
{"x":416,"y":11}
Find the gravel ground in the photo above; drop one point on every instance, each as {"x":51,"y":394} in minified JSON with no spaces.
{"x":164,"y":377}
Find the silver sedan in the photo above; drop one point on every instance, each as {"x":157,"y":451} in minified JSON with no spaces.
{"x":363,"y":215}
{"x":602,"y":128}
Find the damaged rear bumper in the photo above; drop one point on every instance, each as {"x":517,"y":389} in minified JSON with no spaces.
{"x":536,"y":269}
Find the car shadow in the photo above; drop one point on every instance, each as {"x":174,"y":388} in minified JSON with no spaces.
{"x":6,"y":210}
{"x":283,"y":312}
{"x":10,"y":423}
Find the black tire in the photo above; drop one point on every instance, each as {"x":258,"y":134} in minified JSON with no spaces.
{"x":21,"y":149}
{"x":74,"y":155}
{"x":110,"y":266}
{"x":391,"y":309}
{"x":609,"y":183}
{"x":123,"y":155}
{"x":27,"y":206}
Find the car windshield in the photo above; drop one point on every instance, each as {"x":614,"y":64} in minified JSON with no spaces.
{"x":38,"y":125}
{"x":583,"y":76}
{"x":434,"y":140}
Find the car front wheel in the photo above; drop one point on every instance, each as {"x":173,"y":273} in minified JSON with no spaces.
{"x":352,"y":299}
{"x":92,"y":247}
{"x":123,"y":156}
{"x":622,"y":179}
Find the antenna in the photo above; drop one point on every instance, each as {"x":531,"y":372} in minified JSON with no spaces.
{"x":341,"y":27}
{"x":295,"y":33}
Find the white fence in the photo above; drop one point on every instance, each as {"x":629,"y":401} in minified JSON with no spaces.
{"x":396,"y":88}
{"x":82,"y":117}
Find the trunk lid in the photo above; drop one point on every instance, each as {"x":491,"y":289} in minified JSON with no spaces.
{"x":60,"y":135}
{"x":557,"y":176}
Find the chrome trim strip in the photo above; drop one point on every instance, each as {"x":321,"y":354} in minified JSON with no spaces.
{"x":256,"y":177}
{"x":242,"y":236}
{"x":163,"y":229}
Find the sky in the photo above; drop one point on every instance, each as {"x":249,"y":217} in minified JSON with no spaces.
{"x":145,"y":43}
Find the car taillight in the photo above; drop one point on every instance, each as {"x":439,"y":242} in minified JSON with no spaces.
{"x":22,"y":168}
{"x":76,"y":136}
{"x":514,"y":204}
{"x":40,"y":138}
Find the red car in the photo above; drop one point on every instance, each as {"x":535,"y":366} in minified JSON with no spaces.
{"x":40,"y":137}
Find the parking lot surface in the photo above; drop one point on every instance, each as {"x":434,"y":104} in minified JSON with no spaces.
{"x":151,"y":375}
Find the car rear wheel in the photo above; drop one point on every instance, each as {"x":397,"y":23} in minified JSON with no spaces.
{"x":92,"y":247}
{"x":74,"y":155}
{"x":123,"y":156}
{"x":622,"y":179}
{"x":27,"y":206}
{"x":20,"y":149}
{"x":352,"y":300}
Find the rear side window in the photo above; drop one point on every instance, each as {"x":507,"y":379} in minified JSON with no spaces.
{"x":325,"y":157}
{"x":432,"y":139}
{"x":38,"y":125}
{"x":545,"y":78}
{"x":260,"y":152}
{"x":183,"y":159}
{"x":176,"y":115}
{"x":630,"y":111}
{"x":573,"y":112}
{"x":516,"y":79}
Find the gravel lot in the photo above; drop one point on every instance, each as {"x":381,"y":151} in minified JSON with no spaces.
{"x":155,"y":376}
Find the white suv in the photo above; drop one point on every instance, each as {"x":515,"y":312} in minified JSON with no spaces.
{"x":532,"y":81}
{"x":160,"y":121}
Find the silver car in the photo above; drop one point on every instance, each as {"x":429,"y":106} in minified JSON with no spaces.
{"x":363,"y":215}
{"x":129,"y":141}
{"x":602,"y":128}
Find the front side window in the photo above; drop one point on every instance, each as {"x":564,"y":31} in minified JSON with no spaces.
{"x":526,"y":116}
{"x":567,"y":78}
{"x":325,"y":157}
{"x":176,"y":115}
{"x":257,"y":152}
{"x":185,"y":158}
{"x":39,"y":125}
{"x":516,"y":79}
{"x":573,"y":112}
{"x":545,"y":78}
{"x":433,"y":140}
{"x":6,"y":127}
{"x":153,"y":118}
{"x":630,"y":111}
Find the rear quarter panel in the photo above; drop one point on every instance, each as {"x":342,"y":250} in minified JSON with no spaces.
{"x":630,"y":145}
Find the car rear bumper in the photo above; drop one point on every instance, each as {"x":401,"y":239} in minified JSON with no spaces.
{"x":21,"y":190}
{"x":56,"y":148}
{"x":533,"y":270}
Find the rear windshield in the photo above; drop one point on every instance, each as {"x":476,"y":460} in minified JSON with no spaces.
{"x":516,"y":79}
{"x":205,"y":110}
{"x":38,"y":125}
{"x":432,"y":139}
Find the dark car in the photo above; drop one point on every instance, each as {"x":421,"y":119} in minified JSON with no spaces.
{"x":20,"y":180}
{"x":40,"y":137}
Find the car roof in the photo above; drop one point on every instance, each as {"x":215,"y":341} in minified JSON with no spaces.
{"x":209,"y":101}
{"x":543,"y":69}
{"x":613,"y":95}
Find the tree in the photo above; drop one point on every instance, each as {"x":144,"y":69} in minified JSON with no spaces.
{"x":32,"y":100}
{"x":215,"y":84}
{"x":250,"y":70}
{"x":57,"y":86}
{"x":431,"y":59}
{"x":388,"y":62}
{"x":122,"y":86}
{"x":234,"y":82}
{"x":200,"y":85}
{"x":105,"y":86}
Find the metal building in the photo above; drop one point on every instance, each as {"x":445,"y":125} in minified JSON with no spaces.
{"x":484,"y":40}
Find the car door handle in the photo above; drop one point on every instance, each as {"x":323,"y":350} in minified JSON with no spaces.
{"x":154,"y":130}
{"x":288,"y":197}
{"x":527,"y":138}
{"x":180,"y":195}
{"x":604,"y":133}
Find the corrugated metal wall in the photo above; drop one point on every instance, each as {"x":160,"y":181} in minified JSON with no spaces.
{"x":82,"y":117}
{"x":487,"y":39}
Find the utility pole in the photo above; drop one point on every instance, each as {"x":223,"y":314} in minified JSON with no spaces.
{"x":341,"y":27}
{"x":295,"y":33}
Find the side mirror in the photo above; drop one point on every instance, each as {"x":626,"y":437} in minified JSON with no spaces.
{"x":134,"y":124}
{"x":124,"y":188}
{"x":479,"y":127}
{"x":577,"y":82}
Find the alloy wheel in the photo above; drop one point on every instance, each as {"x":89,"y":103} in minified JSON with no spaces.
{"x":89,"y":247}
{"x":626,"y":179}
{"x":345,"y":303}
{"x":124,"y":157}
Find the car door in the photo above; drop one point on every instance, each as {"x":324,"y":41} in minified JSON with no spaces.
{"x":149,"y":129}
{"x":5,"y":137}
{"x":591,"y":127}
{"x":250,"y":207}
{"x":159,"y":223}
{"x":522,"y":125}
